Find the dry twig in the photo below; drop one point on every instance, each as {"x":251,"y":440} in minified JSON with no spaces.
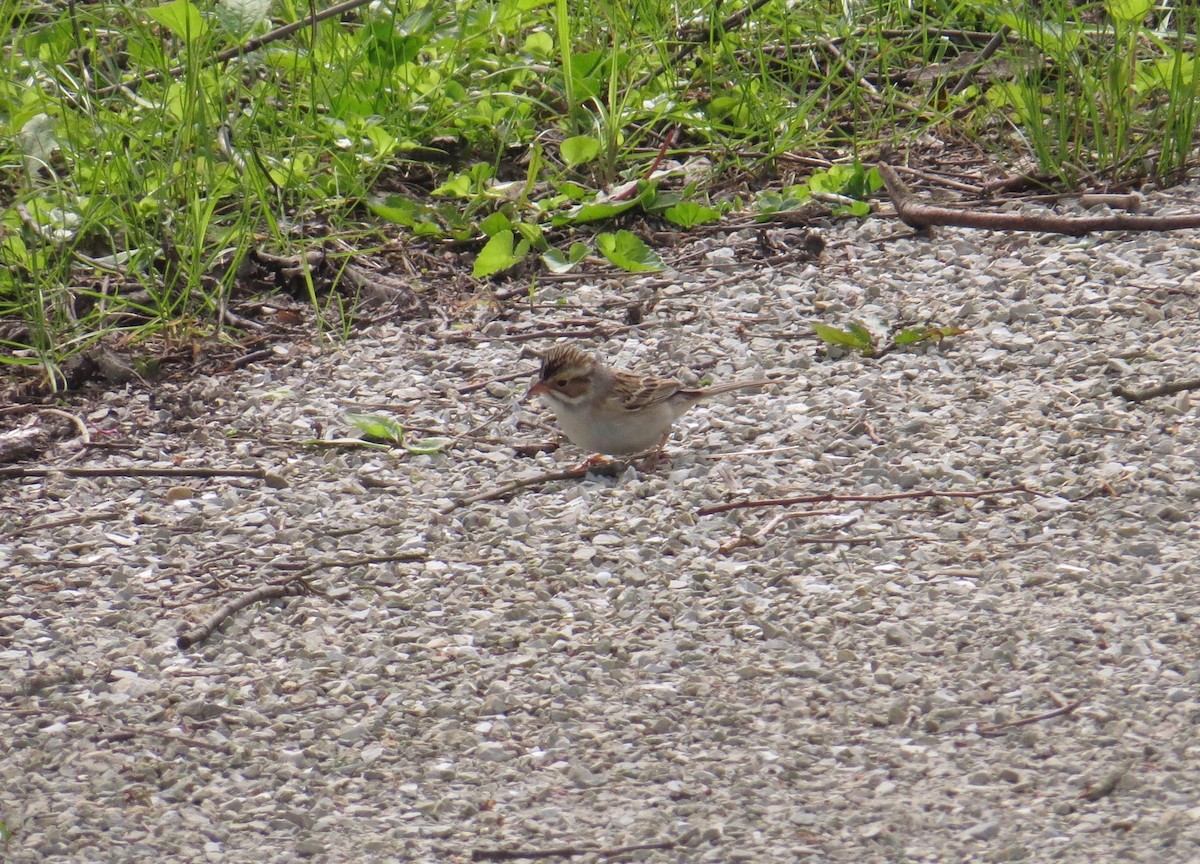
{"x":921,"y":216}
{"x":1061,"y":711}
{"x":605,"y":469}
{"x":292,"y":588}
{"x":273,"y":480}
{"x":565,"y":851}
{"x":829,"y":497}
{"x":1165,"y":389}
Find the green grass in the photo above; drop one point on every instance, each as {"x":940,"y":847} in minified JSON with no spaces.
{"x":144,"y":158}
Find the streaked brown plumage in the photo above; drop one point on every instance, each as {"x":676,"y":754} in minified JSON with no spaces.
{"x":613,"y":411}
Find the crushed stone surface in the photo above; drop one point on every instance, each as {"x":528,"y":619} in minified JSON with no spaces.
{"x":887,"y":675}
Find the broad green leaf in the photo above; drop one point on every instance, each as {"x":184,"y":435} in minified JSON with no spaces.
{"x":861,"y":333}
{"x":579,"y":149}
{"x":1130,"y":11}
{"x":594,"y":212}
{"x":539,"y":44}
{"x":459,"y":185}
{"x":181,"y":18}
{"x":627,"y":251}
{"x":533,"y":233}
{"x":498,"y":254}
{"x":509,"y":12}
{"x":428,"y":446}
{"x":689,"y":214}
{"x":239,"y":17}
{"x":853,"y":337}
{"x":575,"y":191}
{"x":557,"y":262}
{"x":858,"y":209}
{"x":495,"y":223}
{"x":605,"y":208}
{"x":1045,"y":36}
{"x":396,"y":208}
{"x":912,"y":335}
{"x":377,"y":427}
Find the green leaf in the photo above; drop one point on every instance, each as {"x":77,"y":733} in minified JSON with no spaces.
{"x":557,"y":262}
{"x":593,"y":212}
{"x":406,"y":212}
{"x":428,"y":446}
{"x":605,"y":208}
{"x":495,"y":223}
{"x":855,"y":337}
{"x":1046,"y":36}
{"x":181,"y":18}
{"x":1130,"y":11}
{"x":539,"y":44}
{"x":533,"y":233}
{"x":859,"y":209}
{"x":688,"y":214}
{"x":579,"y":149}
{"x":509,"y":13}
{"x":911,"y":335}
{"x":498,"y":254}
{"x":627,"y":251}
{"x":239,"y":17}
{"x":376,"y":427}
{"x":861,"y":333}
{"x":575,"y":191}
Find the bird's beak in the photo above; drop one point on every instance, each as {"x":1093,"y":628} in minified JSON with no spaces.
{"x":536,"y":389}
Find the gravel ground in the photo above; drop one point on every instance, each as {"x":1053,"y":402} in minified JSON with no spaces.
{"x":590,"y":662}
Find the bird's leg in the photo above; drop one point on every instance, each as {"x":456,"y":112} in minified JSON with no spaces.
{"x":657,"y":455}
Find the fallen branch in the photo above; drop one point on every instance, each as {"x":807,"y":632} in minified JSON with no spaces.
{"x":365,"y":560}
{"x":565,"y":851}
{"x":919,"y":215}
{"x":968,"y":75}
{"x":273,"y":480}
{"x":829,"y":497}
{"x":1158,"y":390}
{"x":1062,"y":711}
{"x":604,"y":469}
{"x":292,"y":588}
{"x":84,"y":519}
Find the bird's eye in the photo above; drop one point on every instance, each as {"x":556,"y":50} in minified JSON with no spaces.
{"x":561,"y":382}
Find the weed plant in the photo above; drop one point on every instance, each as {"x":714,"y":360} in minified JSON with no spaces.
{"x":147,"y":149}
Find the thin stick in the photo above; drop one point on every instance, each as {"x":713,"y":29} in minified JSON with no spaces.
{"x":565,"y":851}
{"x":365,"y":560}
{"x":1027,"y":721}
{"x":83,"y":435}
{"x":829,"y":497}
{"x":605,"y":469}
{"x":85,"y":519}
{"x":292,"y":588}
{"x":1158,"y":390}
{"x":757,"y":538}
{"x":255,"y":473}
{"x":922,"y":216}
{"x":968,"y":75}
